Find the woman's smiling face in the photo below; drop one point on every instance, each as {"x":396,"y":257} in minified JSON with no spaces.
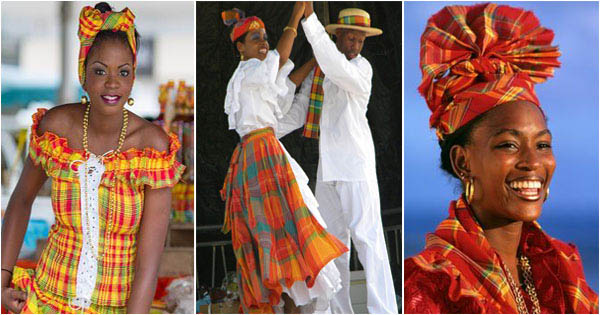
{"x":510,"y":159}
{"x":109,"y":74}
{"x":254,"y":45}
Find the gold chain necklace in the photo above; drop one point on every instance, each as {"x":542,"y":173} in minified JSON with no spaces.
{"x":528,"y":279}
{"x":111,"y":205}
{"x":86,"y":118}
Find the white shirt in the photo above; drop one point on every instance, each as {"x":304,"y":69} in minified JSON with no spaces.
{"x":259,"y":95}
{"x":346,"y":146}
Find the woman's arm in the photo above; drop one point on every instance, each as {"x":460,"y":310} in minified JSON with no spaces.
{"x":151,"y":241}
{"x":284,"y":46}
{"x":300,"y":74}
{"x":14,"y":226}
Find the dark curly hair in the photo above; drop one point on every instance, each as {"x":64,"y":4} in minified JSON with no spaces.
{"x":461,"y":137}
{"x":240,"y":39}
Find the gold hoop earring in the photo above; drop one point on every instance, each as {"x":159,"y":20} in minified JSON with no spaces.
{"x":547,"y":194}
{"x":241,"y":56}
{"x":469,"y":190}
{"x":84,"y":100}
{"x":130,"y":101}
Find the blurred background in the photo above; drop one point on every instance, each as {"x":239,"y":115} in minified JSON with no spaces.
{"x":215,"y":65}
{"x":570,"y":101}
{"x":39,"y":50}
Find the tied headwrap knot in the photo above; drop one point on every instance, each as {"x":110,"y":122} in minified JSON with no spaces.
{"x":92,"y":21}
{"x":476,"y":57}
{"x":242,"y":24}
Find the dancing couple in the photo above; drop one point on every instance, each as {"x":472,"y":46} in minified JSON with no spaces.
{"x":292,"y":246}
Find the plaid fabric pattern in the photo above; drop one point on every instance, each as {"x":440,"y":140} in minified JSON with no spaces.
{"x":474,"y":58}
{"x":91,"y":22}
{"x":183,"y":202}
{"x":40,"y":302}
{"x":355,"y":20}
{"x":315,"y":105}
{"x":122,"y":188}
{"x":275,"y":237}
{"x":459,"y":252}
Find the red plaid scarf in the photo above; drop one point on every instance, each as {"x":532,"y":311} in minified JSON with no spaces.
{"x":476,"y":57}
{"x":313,"y":116}
{"x":459,"y":252}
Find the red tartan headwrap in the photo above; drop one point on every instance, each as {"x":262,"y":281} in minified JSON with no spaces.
{"x":474,"y":58}
{"x":242,"y":24}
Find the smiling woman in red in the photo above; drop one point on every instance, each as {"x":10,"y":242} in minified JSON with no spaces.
{"x":479,"y":65}
{"x":111,"y":173}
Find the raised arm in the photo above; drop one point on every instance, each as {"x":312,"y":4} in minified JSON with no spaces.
{"x":284,"y":46}
{"x":300,"y":74}
{"x":14,"y":226}
{"x":352,"y":76}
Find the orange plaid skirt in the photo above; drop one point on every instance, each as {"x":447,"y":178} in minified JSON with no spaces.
{"x":275,"y":238}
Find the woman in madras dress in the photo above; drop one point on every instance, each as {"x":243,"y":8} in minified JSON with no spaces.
{"x":278,"y":235}
{"x":479,"y":65}
{"x":112,"y":174}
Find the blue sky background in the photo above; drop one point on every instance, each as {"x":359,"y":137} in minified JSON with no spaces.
{"x":570,"y":100}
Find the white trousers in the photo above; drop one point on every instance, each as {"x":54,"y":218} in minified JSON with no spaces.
{"x":352,"y":209}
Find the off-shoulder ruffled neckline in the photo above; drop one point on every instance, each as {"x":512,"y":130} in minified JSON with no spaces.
{"x":63,"y":142}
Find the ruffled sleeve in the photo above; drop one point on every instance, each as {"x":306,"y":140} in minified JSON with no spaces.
{"x":287,"y":88}
{"x":51,"y":151}
{"x":264,"y":75}
{"x":146,"y":167}
{"x":438,"y":288}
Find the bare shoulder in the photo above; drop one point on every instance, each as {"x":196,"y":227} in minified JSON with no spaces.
{"x":61,"y":119}
{"x":147,"y":134}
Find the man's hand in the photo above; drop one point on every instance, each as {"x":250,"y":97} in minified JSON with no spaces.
{"x":13,"y":300}
{"x":308,"y":8}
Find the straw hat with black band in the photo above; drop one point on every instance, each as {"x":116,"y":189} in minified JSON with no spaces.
{"x":355,"y":19}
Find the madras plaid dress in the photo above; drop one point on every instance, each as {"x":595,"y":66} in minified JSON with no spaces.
{"x":53,"y":283}
{"x":275,"y":237}
{"x":459,"y":272}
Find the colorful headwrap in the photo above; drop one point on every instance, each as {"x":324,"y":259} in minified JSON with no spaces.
{"x":92,"y":21}
{"x":476,"y":57}
{"x":242,"y":24}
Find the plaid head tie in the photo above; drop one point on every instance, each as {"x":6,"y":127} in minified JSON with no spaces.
{"x":92,"y":21}
{"x":313,"y":116}
{"x":474,"y":58}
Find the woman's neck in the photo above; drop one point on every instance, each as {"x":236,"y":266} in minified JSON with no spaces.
{"x":103,"y":122}
{"x":505,"y":240}
{"x":502,"y":234}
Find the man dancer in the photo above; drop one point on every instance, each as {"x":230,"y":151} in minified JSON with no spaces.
{"x":347,"y":189}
